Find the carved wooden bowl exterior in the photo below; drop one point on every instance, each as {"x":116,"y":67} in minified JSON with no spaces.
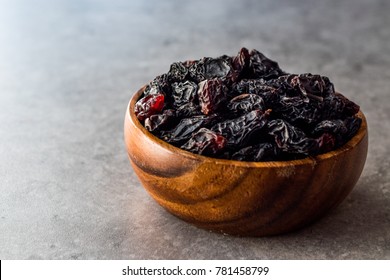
{"x":243,"y":198}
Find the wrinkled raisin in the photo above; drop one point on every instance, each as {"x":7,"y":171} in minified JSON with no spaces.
{"x":291,"y":139}
{"x":188,"y":110}
{"x":159,"y":84}
{"x":184,"y":92}
{"x":245,"y":103}
{"x":212,"y":94}
{"x":263,"y":67}
{"x":177,"y":72}
{"x":149,"y":105}
{"x":186,"y":127}
{"x":210,"y":68}
{"x":239,"y":131}
{"x":160,"y":121}
{"x":205,"y":142}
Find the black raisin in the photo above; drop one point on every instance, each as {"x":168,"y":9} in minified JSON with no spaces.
{"x":177,"y":72}
{"x":263,"y":67}
{"x":186,"y":127}
{"x":210,"y":68}
{"x":184,"y":92}
{"x":161,"y":121}
{"x":291,"y":139}
{"x":245,"y":103}
{"x":239,"y":131}
{"x":212,"y":94}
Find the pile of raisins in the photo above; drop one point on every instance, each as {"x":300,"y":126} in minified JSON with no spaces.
{"x":246,"y":108}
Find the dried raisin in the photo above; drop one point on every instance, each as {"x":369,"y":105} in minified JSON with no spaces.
{"x":245,"y":107}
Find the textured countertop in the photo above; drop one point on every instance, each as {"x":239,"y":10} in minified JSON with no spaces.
{"x":67,"y":71}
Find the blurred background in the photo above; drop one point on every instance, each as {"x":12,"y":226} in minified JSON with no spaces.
{"x":67,"y":72}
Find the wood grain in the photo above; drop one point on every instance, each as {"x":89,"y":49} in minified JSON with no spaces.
{"x":243,"y":198}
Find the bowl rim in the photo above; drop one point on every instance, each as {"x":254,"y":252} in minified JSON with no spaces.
{"x":354,"y":141}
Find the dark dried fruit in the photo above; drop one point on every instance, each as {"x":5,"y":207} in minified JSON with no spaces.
{"x":177,"y":72}
{"x":240,"y":64}
{"x":336,"y":127}
{"x":311,"y":86}
{"x":246,"y":108}
{"x":326,"y":142}
{"x":245,"y":103}
{"x":205,"y":142}
{"x":298,"y":111}
{"x":239,"y":131}
{"x":337,"y":106}
{"x":291,"y":139}
{"x":212,"y":94}
{"x":263,"y":67}
{"x":210,"y":68}
{"x":159,"y":84}
{"x":242,"y":60}
{"x":149,"y":105}
{"x":160,"y":121}
{"x":353,"y":124}
{"x":186,"y":127}
{"x":259,"y":87}
{"x":188,"y":110}
{"x":184,"y":92}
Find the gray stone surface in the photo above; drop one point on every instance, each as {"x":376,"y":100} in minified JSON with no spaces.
{"x":67,"y":71}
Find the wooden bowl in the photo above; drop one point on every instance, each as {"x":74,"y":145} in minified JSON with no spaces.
{"x":243,"y":198}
